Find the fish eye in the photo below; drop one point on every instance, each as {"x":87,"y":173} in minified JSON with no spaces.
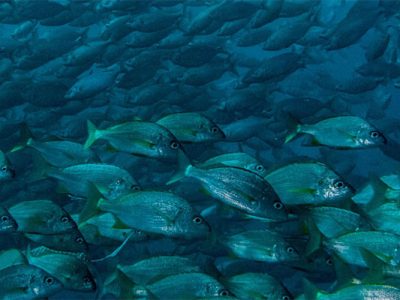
{"x":290,"y":249}
{"x":285,"y":297}
{"x":214,"y":129}
{"x":223,"y":293}
{"x":339,"y":184}
{"x":79,"y":240}
{"x":64,"y":219}
{"x":4,"y":168}
{"x":259,"y":168}
{"x":135,"y":187}
{"x":4,"y":218}
{"x":49,"y":280}
{"x":197,"y":220}
{"x":174,"y":145}
{"x":278,"y":205}
{"x":329,"y":262}
{"x":374,"y":134}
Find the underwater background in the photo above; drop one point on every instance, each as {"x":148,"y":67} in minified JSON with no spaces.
{"x":237,"y":149}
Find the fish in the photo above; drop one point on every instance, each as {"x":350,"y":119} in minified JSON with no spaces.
{"x":41,"y":217}
{"x":148,"y":271}
{"x":138,"y":138}
{"x":256,"y":286}
{"x":27,"y":282}
{"x":358,"y":291}
{"x":239,"y":159}
{"x":186,"y":286}
{"x":7,"y":222}
{"x":71,"y":270}
{"x":347,"y":132}
{"x":350,"y":247}
{"x":112,"y":181}
{"x":317,"y":185}
{"x":261,"y":245}
{"x":192,"y":128}
{"x":102,"y":229}
{"x":235,"y":187}
{"x":333,"y":222}
{"x":72,"y":241}
{"x":154,"y":212}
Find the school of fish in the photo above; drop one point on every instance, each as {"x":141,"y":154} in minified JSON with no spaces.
{"x":190,"y":149}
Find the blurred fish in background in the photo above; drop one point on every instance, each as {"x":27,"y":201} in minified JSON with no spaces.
{"x":165,"y":149}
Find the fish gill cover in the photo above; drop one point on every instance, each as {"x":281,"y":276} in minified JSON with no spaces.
{"x":169,"y":149}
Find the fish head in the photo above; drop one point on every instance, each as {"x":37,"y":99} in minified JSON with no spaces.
{"x":268,"y":206}
{"x":86,"y":282}
{"x":119,"y":187}
{"x":257,"y":168}
{"x":209,"y":131}
{"x":6,"y":172}
{"x":286,"y":252}
{"x":334,"y":188}
{"x":370,"y":137}
{"x":193,"y":226}
{"x":168,"y":146}
{"x":7,"y":222}
{"x":62,"y":222}
{"x":43,"y":284}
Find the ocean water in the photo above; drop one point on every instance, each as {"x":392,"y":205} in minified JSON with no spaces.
{"x":95,"y":99}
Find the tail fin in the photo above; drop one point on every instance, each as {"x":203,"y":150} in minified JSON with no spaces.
{"x":310,"y":290}
{"x":93,"y":201}
{"x":184,"y":166}
{"x":40,"y":168}
{"x":26,"y":138}
{"x":92,"y":134}
{"x":296,"y":128}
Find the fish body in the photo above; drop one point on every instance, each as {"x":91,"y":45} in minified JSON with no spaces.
{"x":318,"y":184}
{"x":157,"y":212}
{"x":68,"y":268}
{"x":240,"y":160}
{"x":41,"y":216}
{"x":261,"y":245}
{"x":257,"y":286}
{"x":192,"y":127}
{"x":112,"y":181}
{"x":138,"y":137}
{"x":150,"y":270}
{"x":235,"y":187}
{"x":187,"y":286}
{"x":342,"y":132}
{"x":27,"y":282}
{"x":383,"y":245}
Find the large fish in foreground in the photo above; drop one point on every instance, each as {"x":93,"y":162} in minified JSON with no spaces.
{"x":236,"y":187}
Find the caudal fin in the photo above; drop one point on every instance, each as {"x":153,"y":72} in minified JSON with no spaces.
{"x":26,"y":138}
{"x":294,"y":130}
{"x":92,"y":135}
{"x":94,"y":199}
{"x":183,"y":166}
